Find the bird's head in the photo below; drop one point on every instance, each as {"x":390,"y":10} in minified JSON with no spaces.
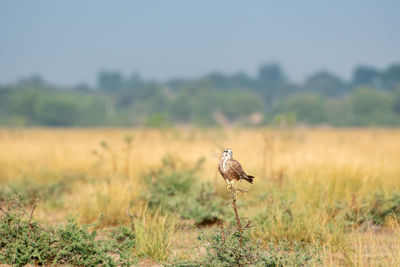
{"x":227,"y":153}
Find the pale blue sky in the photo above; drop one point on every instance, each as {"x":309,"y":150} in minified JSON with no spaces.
{"x":69,"y":41}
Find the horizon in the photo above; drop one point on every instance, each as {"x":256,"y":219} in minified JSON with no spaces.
{"x":189,"y":40}
{"x":162,"y":81}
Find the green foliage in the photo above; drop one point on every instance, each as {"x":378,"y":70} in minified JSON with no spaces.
{"x":29,"y":190}
{"x":180,"y":191}
{"x":132,"y":101}
{"x":26,"y":241}
{"x":307,"y":108}
{"x":157,"y":120}
{"x":391,"y":76}
{"x":375,"y":210}
{"x":371,"y":107}
{"x":365,"y":76}
{"x":247,"y":101}
{"x":223,"y":248}
{"x":294,"y":254}
{"x":326,"y":84}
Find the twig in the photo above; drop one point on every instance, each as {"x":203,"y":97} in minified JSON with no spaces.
{"x":131,"y":217}
{"x":30,"y":217}
{"x":247,"y":225}
{"x":129,"y":214}
{"x":234,"y":206}
{"x":242,"y":191}
{"x":222,"y":231}
{"x":32,"y":211}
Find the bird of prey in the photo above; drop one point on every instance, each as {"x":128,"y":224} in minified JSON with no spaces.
{"x":231,"y":169}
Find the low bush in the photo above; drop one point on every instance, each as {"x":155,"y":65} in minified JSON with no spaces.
{"x":179,"y":191}
{"x":26,"y":241}
{"x":223,"y":249}
{"x":291,"y":254}
{"x":375,"y":209}
{"x":229,"y":247}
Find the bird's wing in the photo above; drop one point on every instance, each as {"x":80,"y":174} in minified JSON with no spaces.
{"x":237,"y":169}
{"x":220,"y":168}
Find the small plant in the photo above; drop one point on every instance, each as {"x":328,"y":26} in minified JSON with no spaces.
{"x":152,"y":235}
{"x":229,"y":247}
{"x":128,"y":141}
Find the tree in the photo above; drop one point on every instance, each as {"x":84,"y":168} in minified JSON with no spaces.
{"x":396,"y":100}
{"x":372,"y":108}
{"x":338,"y":112}
{"x":272,"y":82}
{"x":240,"y":104}
{"x":307,"y":107}
{"x":391,"y":77}
{"x":271,"y":74}
{"x":366,"y":76}
{"x":326,"y":84}
{"x":109,"y":81}
{"x":241,"y":80}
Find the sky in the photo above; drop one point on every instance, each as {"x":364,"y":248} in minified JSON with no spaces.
{"x":70,"y":41}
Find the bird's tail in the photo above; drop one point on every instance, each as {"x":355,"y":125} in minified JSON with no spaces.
{"x":249,"y":178}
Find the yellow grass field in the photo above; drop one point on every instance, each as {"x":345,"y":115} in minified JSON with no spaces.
{"x":306,"y":173}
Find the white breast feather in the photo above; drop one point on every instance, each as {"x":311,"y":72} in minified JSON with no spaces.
{"x":224,"y":165}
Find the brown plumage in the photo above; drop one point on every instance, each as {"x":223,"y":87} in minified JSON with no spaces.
{"x":231,"y":170}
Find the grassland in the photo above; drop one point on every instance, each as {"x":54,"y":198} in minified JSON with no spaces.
{"x":335,"y":191}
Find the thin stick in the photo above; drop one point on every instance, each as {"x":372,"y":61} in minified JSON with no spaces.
{"x":32,"y":211}
{"x":222,"y":231}
{"x":131,"y":217}
{"x":30,"y":217}
{"x":234,"y":206}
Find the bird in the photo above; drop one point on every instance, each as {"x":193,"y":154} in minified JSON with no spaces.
{"x":231,"y":170}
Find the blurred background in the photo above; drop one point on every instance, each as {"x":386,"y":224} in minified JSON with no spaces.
{"x":163,"y":63}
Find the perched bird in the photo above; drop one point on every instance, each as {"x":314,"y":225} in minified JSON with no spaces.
{"x":231,"y":169}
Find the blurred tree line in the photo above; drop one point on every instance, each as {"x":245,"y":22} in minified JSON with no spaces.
{"x":370,"y":98}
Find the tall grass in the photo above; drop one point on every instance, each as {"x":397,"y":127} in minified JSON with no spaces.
{"x":153,"y":234}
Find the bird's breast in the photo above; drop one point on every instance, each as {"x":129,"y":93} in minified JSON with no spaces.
{"x":224,"y":164}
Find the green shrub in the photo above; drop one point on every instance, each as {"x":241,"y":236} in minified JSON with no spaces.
{"x":375,"y":210}
{"x":25,"y":241}
{"x":223,"y":248}
{"x":180,"y":191}
{"x":290,"y":254}
{"x":29,"y":190}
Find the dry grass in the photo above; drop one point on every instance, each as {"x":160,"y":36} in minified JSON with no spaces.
{"x":311,"y":170}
